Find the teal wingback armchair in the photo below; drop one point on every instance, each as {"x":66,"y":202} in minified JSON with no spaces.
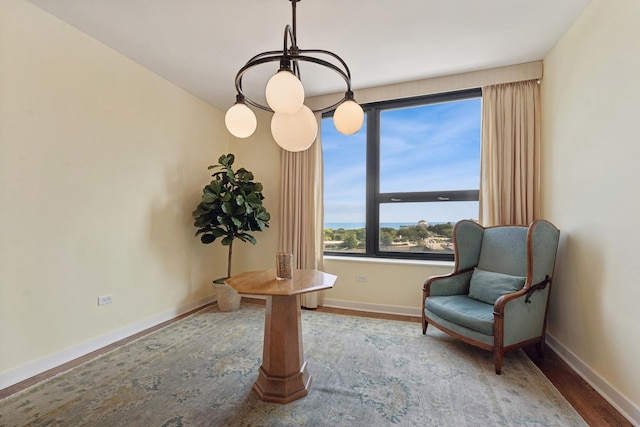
{"x":497,"y":295}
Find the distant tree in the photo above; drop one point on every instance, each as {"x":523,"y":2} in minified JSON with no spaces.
{"x":328,"y":234}
{"x":444,"y":230}
{"x":386,"y":238}
{"x":350,"y":241}
{"x":414,"y":233}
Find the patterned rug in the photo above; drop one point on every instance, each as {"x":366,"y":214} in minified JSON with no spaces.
{"x":366,"y":372}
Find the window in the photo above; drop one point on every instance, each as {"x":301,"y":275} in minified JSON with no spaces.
{"x":396,"y":188}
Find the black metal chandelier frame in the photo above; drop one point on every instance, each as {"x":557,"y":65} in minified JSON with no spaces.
{"x":289,"y":57}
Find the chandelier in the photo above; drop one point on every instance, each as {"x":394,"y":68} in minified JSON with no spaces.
{"x":293,"y":124}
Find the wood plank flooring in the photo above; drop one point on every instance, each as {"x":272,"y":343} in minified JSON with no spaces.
{"x":593,"y":408}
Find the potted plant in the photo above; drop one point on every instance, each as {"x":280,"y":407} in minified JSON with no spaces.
{"x":231,"y":208}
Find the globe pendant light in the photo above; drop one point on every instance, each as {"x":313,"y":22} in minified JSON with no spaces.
{"x":291,"y":124}
{"x":240,"y":120}
{"x":294,"y":132}
{"x":284,"y":92}
{"x":348,"y":117}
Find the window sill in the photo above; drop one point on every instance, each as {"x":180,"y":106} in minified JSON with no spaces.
{"x":393,"y":261}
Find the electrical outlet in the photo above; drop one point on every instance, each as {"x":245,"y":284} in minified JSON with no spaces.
{"x":105,"y":299}
{"x":361,"y":278}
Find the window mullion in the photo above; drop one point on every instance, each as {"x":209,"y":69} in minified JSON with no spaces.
{"x":373,"y":180}
{"x":428,"y":196}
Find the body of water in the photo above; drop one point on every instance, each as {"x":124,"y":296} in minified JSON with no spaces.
{"x":357,"y":225}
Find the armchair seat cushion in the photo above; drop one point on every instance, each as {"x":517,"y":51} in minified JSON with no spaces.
{"x":464,"y":311}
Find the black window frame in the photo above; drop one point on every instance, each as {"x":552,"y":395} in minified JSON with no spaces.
{"x":373,"y":196}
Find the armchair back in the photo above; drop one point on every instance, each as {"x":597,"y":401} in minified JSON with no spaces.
{"x":504,"y":250}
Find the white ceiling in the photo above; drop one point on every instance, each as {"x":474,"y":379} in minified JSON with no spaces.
{"x":199,"y":45}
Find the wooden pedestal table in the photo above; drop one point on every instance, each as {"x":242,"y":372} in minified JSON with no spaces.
{"x":283,"y":376}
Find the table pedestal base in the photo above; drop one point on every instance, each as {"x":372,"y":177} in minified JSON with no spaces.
{"x":282,"y":390}
{"x":283,"y":376}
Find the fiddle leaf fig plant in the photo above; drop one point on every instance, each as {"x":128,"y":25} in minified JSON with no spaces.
{"x":231,"y":207}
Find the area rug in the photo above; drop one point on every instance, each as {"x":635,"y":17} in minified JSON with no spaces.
{"x":365,"y":372}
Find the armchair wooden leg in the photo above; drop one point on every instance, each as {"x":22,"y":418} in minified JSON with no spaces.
{"x":498,"y":356}
{"x":424,"y":318}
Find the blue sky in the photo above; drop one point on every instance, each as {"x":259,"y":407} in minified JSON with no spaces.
{"x":425,"y":148}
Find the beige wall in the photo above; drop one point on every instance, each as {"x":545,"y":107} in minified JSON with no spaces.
{"x":101,"y":164}
{"x":591,"y":111}
{"x":391,"y":286}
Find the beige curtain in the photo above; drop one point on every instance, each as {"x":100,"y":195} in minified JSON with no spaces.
{"x":510,"y":154}
{"x":301,"y":217}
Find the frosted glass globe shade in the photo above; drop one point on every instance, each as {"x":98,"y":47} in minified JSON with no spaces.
{"x":348,"y":117}
{"x":285,"y":93}
{"x":294,"y":132}
{"x":241,"y":122}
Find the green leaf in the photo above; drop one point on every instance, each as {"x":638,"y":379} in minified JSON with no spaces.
{"x":207,"y":238}
{"x":218,"y":232}
{"x":201,"y":221}
{"x":215,"y":186}
{"x":200,"y":231}
{"x":199,"y":211}
{"x":252,"y":198}
{"x":226,"y":160}
{"x":244,"y":176}
{"x":249,"y":238}
{"x":227,"y":208}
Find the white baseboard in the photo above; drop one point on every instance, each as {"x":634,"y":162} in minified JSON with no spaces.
{"x":29,"y":370}
{"x":375,"y":308}
{"x":622,"y":404}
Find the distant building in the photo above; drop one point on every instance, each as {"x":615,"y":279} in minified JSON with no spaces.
{"x":422,"y":223}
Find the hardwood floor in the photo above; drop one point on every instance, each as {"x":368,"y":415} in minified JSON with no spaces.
{"x":593,"y":408}
{"x":587,"y":402}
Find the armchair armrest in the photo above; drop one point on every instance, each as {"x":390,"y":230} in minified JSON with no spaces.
{"x":456,"y":283}
{"x":527,"y":291}
{"x":521,"y":315}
